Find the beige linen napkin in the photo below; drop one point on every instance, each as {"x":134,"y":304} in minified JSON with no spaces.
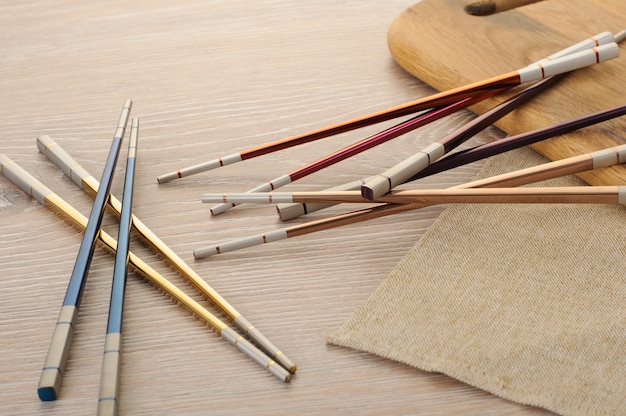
{"x":527,"y":302}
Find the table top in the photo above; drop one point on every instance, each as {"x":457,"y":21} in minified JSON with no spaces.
{"x":209,"y":79}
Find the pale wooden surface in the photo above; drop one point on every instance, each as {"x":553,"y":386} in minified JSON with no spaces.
{"x":208,"y":78}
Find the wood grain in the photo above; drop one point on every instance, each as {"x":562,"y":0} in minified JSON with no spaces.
{"x":208,"y":78}
{"x":442,"y":45}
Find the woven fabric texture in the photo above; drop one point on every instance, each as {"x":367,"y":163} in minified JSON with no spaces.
{"x":525,"y":301}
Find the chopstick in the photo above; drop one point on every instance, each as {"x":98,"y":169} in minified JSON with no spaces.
{"x":594,"y":160}
{"x":72,"y":169}
{"x":51,"y":376}
{"x":553,"y":195}
{"x":523,"y":139}
{"x":530,"y":73}
{"x":109,"y":380}
{"x":52,"y":201}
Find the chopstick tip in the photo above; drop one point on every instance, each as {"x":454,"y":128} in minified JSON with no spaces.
{"x":46,"y":394}
{"x":367,"y":193}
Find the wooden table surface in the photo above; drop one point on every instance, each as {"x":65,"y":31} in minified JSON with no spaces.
{"x":208,"y":79}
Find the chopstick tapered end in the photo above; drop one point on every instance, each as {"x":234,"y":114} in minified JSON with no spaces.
{"x":49,"y":385}
{"x":168,"y":177}
{"x":107,"y":407}
{"x":280,"y":372}
{"x":256,"y":354}
{"x":50,"y":381}
{"x":368,"y":193}
{"x":288,"y":365}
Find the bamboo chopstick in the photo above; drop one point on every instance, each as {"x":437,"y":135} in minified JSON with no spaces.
{"x":530,"y":73}
{"x":72,"y":169}
{"x":109,"y":379}
{"x":52,"y":201}
{"x":595,"y":160}
{"x":554,"y":195}
{"x":51,"y":376}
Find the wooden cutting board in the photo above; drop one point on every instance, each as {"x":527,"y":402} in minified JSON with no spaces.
{"x":442,"y":45}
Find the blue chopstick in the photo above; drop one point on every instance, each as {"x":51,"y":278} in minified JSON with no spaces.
{"x":52,"y":374}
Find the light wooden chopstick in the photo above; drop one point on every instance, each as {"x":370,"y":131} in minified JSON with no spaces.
{"x":553,"y":195}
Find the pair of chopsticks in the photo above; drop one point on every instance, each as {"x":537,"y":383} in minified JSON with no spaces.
{"x":51,"y":376}
{"x":587,"y":52}
{"x":52,"y":373}
{"x":267,"y":355}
